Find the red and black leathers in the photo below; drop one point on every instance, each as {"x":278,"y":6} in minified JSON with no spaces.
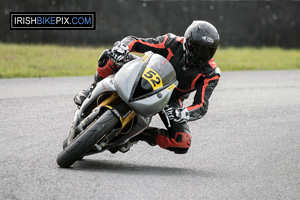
{"x":203,"y":80}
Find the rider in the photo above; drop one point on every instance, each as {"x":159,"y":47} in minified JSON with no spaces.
{"x":192,"y":59}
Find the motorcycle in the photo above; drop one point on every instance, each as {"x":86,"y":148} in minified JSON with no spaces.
{"x":120,"y":107}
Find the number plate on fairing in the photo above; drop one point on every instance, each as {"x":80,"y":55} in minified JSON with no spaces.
{"x":153,"y":78}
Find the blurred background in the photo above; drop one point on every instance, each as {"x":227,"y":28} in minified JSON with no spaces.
{"x":255,"y":34}
{"x":240,"y":22}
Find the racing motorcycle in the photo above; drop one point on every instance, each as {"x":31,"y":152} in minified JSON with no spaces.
{"x":120,"y":107}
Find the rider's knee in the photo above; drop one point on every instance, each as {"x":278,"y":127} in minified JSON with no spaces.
{"x":180,"y":144}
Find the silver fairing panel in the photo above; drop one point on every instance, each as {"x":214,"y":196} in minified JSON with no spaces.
{"x":153,"y":104}
{"x":106,"y":85}
{"x":127,"y":79}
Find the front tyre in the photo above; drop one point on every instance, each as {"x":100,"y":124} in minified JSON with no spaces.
{"x":87,"y":139}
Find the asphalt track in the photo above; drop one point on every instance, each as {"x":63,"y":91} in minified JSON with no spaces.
{"x":246,"y":147}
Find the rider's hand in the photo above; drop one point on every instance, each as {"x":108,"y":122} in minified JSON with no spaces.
{"x":180,"y":115}
{"x":119,"y":53}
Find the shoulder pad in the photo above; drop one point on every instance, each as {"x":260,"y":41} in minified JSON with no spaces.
{"x":171,"y":35}
{"x":174,"y":40}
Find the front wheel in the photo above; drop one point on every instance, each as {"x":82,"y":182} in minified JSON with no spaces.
{"x":87,"y":139}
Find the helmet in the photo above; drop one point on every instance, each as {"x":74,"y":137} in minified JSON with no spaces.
{"x":201,"y":40}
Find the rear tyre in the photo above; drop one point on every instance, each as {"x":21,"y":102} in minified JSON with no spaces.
{"x":87,"y":139}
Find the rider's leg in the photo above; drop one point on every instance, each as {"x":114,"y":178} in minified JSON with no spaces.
{"x":81,"y":96}
{"x":148,"y":135}
{"x":177,"y":138}
{"x":104,"y":69}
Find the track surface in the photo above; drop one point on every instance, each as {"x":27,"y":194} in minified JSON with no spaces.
{"x":246,"y":147}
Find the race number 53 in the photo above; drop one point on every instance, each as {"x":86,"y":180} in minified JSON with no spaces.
{"x":153,"y":78}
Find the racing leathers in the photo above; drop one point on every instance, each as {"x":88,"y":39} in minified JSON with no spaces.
{"x":203,"y":80}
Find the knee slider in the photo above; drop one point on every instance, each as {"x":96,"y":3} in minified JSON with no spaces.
{"x":178,"y":150}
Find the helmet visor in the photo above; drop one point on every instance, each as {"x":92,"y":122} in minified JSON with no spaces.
{"x":200,"y":53}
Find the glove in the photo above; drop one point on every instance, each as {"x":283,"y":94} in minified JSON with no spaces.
{"x":119,"y":53}
{"x":179,"y":115}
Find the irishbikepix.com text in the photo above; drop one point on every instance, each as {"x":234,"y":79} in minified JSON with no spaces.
{"x":83,"y":21}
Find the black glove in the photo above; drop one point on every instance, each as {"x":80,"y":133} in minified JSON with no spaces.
{"x":119,"y":53}
{"x":180,"y":115}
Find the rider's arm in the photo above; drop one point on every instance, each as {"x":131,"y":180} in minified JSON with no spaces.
{"x":201,"y":100}
{"x":105,"y":65}
{"x":142,"y":45}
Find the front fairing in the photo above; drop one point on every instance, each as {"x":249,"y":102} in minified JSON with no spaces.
{"x":106,"y":85}
{"x":146,"y":84}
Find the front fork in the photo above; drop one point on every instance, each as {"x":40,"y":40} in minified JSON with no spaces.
{"x":131,"y":123}
{"x":121,"y":110}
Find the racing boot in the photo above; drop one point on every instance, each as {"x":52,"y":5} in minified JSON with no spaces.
{"x":81,"y":96}
{"x":148,"y":135}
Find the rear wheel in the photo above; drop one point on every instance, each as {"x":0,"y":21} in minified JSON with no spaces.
{"x":87,"y":139}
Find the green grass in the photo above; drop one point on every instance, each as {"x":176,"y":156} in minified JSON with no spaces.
{"x":275,"y":58}
{"x":47,"y":60}
{"x":20,"y":60}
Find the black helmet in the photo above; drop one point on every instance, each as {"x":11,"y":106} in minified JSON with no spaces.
{"x":201,"y":40}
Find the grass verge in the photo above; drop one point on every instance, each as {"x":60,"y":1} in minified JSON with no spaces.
{"x":20,"y":60}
